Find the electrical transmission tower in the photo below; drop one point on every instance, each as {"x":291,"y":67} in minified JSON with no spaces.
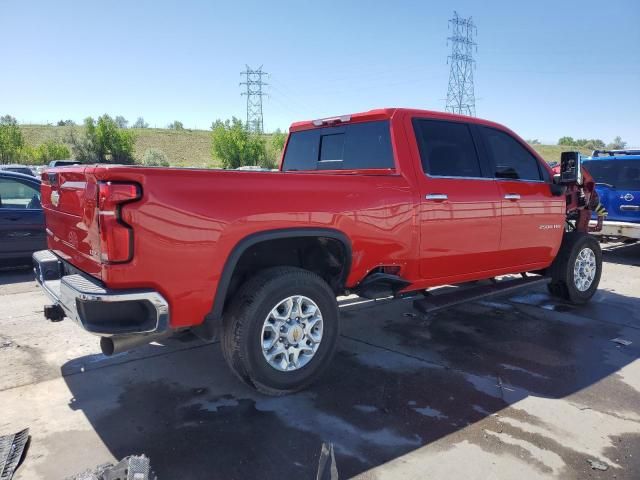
{"x":460,"y":95}
{"x":254,"y":93}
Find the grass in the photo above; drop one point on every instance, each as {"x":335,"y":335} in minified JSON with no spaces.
{"x":192,"y":148}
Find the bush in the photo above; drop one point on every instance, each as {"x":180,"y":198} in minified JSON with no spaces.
{"x":275,"y":148}
{"x":175,"y":125}
{"x":155,"y":158}
{"x":45,"y":152}
{"x":235,"y":146}
{"x":568,"y":141}
{"x":11,"y":139}
{"x":103,"y":142}
{"x":66,"y":123}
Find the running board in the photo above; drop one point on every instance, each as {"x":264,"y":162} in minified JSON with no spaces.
{"x":434,"y":303}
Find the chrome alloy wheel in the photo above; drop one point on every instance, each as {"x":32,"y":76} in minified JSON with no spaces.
{"x":291,"y":333}
{"x":584,"y":270}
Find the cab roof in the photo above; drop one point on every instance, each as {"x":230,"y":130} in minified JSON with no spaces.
{"x":387,"y":114}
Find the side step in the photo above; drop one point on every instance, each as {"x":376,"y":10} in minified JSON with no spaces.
{"x":433,"y":303}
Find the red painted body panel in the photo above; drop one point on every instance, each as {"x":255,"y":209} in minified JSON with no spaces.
{"x":188,"y":221}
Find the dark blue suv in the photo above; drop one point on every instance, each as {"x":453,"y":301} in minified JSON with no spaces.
{"x":617,"y":176}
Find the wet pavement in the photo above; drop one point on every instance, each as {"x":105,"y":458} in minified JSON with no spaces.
{"x":522,"y":385}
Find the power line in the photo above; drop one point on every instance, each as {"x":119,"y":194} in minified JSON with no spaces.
{"x":254,"y":83}
{"x":460,"y":94}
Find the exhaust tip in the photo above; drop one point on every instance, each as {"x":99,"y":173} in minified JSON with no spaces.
{"x":107,"y":346}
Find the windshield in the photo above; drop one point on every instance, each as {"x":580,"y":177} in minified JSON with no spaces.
{"x":621,"y":174}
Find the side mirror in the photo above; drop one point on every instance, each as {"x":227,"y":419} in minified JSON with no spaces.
{"x":570,"y":168}
{"x":557,"y":190}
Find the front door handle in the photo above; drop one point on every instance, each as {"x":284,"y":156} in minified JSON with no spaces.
{"x":438,"y":197}
{"x":512,"y":196}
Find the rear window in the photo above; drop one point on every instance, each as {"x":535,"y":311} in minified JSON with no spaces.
{"x":621,"y":174}
{"x":345,"y":147}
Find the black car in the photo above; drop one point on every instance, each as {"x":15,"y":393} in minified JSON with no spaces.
{"x":18,"y":169}
{"x":22,"y":229}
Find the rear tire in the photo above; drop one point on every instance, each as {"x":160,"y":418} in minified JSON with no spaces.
{"x":575,"y":273}
{"x":281,"y":330}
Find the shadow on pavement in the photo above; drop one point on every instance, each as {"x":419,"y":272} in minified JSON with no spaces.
{"x":398,"y":382}
{"x":623,"y":254}
{"x":16,"y":274}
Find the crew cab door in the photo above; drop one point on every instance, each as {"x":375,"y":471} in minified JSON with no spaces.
{"x":460,"y":204}
{"x":532,"y":218}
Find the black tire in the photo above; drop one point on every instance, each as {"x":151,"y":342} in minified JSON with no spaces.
{"x":244,"y":319}
{"x":561,"y":271}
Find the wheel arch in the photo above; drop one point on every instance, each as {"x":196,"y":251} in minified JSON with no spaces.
{"x":214,"y":317}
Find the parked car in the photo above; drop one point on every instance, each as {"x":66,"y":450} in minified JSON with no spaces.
{"x":25,"y":170}
{"x":379,"y":203}
{"x":63,"y":163}
{"x":617,"y":177}
{"x":22,"y":229}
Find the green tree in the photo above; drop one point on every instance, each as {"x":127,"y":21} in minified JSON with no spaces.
{"x":617,"y":144}
{"x":154,"y":157}
{"x":568,"y":141}
{"x":103,"y":141}
{"x":140,"y":123}
{"x":11,"y":139}
{"x":235,"y":146}
{"x":121,"y":121}
{"x":66,"y":123}
{"x":175,"y":125}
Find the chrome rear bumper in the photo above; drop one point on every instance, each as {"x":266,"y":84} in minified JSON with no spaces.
{"x":97,"y":309}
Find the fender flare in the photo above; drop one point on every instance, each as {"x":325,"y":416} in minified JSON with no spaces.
{"x":214,"y":317}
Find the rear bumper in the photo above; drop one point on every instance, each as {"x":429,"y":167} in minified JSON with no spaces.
{"x":97,"y":309}
{"x":620,"y":229}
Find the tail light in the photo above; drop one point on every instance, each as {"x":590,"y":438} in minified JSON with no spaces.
{"x":116,"y":237}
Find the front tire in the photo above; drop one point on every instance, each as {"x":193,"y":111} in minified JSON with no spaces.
{"x":281,"y":330}
{"x":575,"y":273}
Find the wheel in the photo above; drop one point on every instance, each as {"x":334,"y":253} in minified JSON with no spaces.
{"x":575,"y":273}
{"x":281,"y":330}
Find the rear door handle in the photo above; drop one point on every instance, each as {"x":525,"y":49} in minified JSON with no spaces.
{"x":512,"y":196}
{"x":438,"y":197}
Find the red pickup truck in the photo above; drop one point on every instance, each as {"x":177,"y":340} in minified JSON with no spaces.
{"x":380,"y":203}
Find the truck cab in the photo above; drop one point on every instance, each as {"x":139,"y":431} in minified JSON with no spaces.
{"x":617,"y":177}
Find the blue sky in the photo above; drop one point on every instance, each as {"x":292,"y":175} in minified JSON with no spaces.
{"x":545,"y":69}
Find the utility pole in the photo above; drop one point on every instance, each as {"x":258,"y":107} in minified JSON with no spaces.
{"x":460,"y":95}
{"x":254,"y":83}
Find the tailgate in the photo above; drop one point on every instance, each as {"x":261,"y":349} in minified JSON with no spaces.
{"x":69,"y":198}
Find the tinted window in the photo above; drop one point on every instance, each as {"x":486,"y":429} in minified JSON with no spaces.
{"x":447,"y":149}
{"x":332,"y":148}
{"x":344,"y":147}
{"x":14,"y":194}
{"x":622,"y":174}
{"x":510,"y":158}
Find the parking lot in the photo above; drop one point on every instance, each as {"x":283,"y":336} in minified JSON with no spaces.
{"x":520,"y":386}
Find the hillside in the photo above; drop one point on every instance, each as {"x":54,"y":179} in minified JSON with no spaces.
{"x":192,"y":148}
